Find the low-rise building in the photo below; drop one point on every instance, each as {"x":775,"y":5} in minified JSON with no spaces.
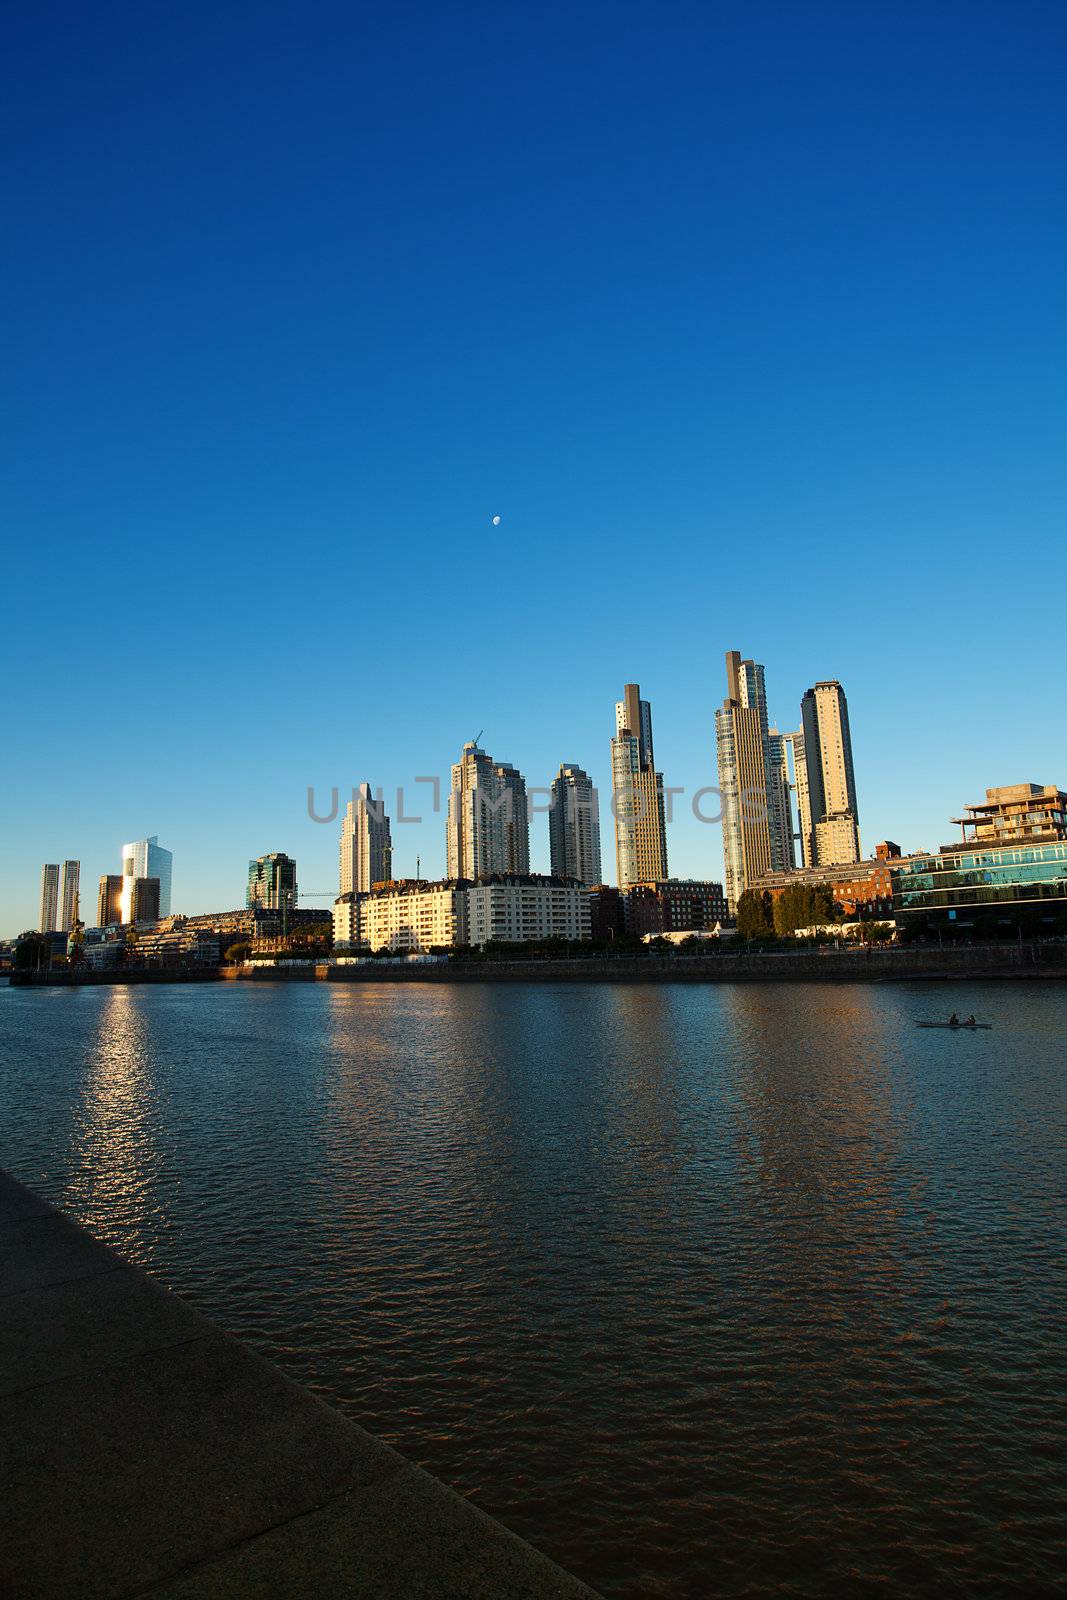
{"x":606,"y":913}
{"x":407,"y":915}
{"x":675,"y":905}
{"x":1010,"y":867}
{"x":519,"y":908}
{"x":862,"y":889}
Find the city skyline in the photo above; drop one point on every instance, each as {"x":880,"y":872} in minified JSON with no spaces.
{"x":535,"y":846}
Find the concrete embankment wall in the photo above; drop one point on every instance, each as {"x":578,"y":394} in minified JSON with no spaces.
{"x":1001,"y":961}
{"x":968,"y":961}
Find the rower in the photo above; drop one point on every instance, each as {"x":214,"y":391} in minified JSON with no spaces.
{"x":970,"y":1020}
{"x":953,"y":1021}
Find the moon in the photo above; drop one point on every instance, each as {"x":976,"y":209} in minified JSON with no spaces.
{"x":496,"y":522}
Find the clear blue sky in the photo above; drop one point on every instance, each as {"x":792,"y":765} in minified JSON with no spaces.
{"x":749,"y":320}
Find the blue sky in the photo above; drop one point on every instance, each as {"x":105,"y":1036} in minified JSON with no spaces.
{"x":748,"y":320}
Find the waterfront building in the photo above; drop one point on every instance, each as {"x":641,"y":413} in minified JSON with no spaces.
{"x":144,"y":900}
{"x":49,"y":896}
{"x":488,"y":826}
{"x":146,"y":858}
{"x":409,"y":916}
{"x":637,"y":794}
{"x":757,"y":828}
{"x":574,"y":826}
{"x":998,"y":883}
{"x":272,"y":882}
{"x":1010,"y":866}
{"x":676,"y":905}
{"x":1019,"y":813}
{"x":366,"y":843}
{"x":606,"y":912}
{"x":69,"y":876}
{"x":862,"y":889}
{"x":517,"y":908}
{"x":109,"y":900}
{"x":829,"y":830}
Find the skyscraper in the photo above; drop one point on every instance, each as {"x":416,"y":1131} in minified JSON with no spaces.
{"x":366,"y":843}
{"x":829,"y":827}
{"x":574,"y":827}
{"x":272,"y":882}
{"x":109,"y":899}
{"x":757,"y":828}
{"x":144,"y":900}
{"x":488,"y":827}
{"x":68,"y":894}
{"x":49,"y":896}
{"x":146,"y":858}
{"x":637,"y":794}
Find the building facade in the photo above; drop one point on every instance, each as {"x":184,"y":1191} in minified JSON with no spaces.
{"x":965,"y":883}
{"x":488,"y":826}
{"x":366,"y":843}
{"x":829,"y":828}
{"x":677,"y":905}
{"x":862,"y":889}
{"x":146,"y":858}
{"x":109,"y":900}
{"x":519,"y":908}
{"x":69,"y":877}
{"x":144,"y":900}
{"x":49,"y":897}
{"x":272,"y":882}
{"x":408,"y":917}
{"x":574,"y":826}
{"x":1019,"y":813}
{"x":637,"y":794}
{"x":757,"y":827}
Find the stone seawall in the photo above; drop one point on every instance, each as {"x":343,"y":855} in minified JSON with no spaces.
{"x":969,"y":961}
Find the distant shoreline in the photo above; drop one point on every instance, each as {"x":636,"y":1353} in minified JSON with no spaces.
{"x":1028,"y":961}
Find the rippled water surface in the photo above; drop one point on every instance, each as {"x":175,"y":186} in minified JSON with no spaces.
{"x":708,"y":1291}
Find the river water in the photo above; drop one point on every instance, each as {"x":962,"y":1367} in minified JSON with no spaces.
{"x":748,"y":1290}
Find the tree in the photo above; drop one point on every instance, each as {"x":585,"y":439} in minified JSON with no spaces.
{"x":33,"y":953}
{"x":755,"y":915}
{"x":238,"y":952}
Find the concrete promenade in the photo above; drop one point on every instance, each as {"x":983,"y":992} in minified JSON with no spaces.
{"x":143,"y":1451}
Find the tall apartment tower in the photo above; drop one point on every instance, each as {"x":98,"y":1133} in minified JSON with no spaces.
{"x":366,"y":843}
{"x":68,"y":894}
{"x":272,"y":882}
{"x":146,"y":858}
{"x":574,"y":826}
{"x":49,"y":896}
{"x":826,"y":800}
{"x":488,"y":826}
{"x":637,"y":794}
{"x":109,"y":899}
{"x":757,"y":827}
{"x":144,"y":900}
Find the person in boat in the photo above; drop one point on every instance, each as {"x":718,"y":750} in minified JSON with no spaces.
{"x":970,"y":1021}
{"x":953,"y":1021}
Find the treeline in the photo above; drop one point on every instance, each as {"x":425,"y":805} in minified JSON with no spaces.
{"x":760,"y":915}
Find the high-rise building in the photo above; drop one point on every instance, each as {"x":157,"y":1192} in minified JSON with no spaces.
{"x":68,"y":895}
{"x":757,"y":827}
{"x":637,"y":794}
{"x":574,"y":826}
{"x":49,"y":896}
{"x":829,"y":827}
{"x":146,"y":858}
{"x":366,"y":843}
{"x":272,"y":882}
{"x":144,"y":900}
{"x":109,"y":899}
{"x":488,"y":827}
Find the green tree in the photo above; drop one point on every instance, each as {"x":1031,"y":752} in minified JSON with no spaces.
{"x":755,"y":915}
{"x":33,"y":953}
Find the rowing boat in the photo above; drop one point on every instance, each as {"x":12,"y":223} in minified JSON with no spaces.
{"x":955,"y":1025}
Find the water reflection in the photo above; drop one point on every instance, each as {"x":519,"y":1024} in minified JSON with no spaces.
{"x":116,"y":1161}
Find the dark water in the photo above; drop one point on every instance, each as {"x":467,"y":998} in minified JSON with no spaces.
{"x":707,"y":1291}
